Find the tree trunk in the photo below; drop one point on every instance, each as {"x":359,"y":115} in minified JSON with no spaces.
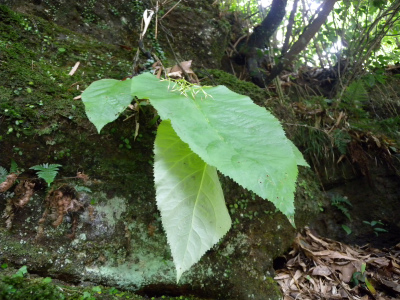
{"x":303,"y":40}
{"x":260,"y":37}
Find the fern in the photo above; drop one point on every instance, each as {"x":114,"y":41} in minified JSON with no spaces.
{"x":3,"y":174}
{"x":339,"y":202}
{"x":341,"y":139}
{"x":356,"y":93}
{"x":47,"y":172}
{"x":13,"y":167}
{"x":80,"y":188}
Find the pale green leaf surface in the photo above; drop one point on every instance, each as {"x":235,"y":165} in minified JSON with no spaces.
{"x":299,"y":157}
{"x":189,"y":197}
{"x":242,"y":140}
{"x":105,"y":99}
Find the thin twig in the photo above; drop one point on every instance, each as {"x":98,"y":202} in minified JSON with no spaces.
{"x":170,"y":10}
{"x":176,"y":59}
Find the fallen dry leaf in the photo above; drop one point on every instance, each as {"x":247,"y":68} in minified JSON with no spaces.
{"x":320,"y":268}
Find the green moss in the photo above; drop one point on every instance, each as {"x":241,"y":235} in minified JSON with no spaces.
{"x":44,"y":89}
{"x":16,"y":285}
{"x":37,"y":106}
{"x":12,"y":287}
{"x":249,"y":89}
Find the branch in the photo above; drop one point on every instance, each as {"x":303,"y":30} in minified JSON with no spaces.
{"x":268,"y":26}
{"x":285,"y":46}
{"x":303,"y":40}
{"x":260,"y":37}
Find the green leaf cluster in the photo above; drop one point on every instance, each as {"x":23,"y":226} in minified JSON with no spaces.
{"x":47,"y":172}
{"x":204,"y":129}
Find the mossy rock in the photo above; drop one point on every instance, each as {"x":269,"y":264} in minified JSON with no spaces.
{"x":119,"y":241}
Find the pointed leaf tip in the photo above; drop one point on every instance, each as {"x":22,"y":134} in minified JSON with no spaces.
{"x":190,"y":199}
{"x":105,"y":100}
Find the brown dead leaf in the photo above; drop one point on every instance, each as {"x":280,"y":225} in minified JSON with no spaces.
{"x":392,"y":285}
{"x":335,"y":263}
{"x":333,"y":254}
{"x":82,"y":176}
{"x":177,"y":73}
{"x":379,"y":261}
{"x":282,"y":276}
{"x":346,"y":271}
{"x":321,"y":271}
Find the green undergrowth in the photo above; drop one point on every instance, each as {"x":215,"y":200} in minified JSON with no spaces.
{"x":20,"y":285}
{"x":40,"y":122}
{"x":36,"y":57}
{"x":218,"y":77}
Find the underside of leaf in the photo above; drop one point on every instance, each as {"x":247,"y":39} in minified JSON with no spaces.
{"x":189,"y":197}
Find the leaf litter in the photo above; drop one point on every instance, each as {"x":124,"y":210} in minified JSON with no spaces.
{"x":320,"y":268}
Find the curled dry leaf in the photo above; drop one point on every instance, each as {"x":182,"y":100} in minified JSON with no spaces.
{"x":82,"y":176}
{"x":321,"y":270}
{"x":177,"y":73}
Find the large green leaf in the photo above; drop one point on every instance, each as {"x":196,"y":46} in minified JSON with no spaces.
{"x":242,"y":140}
{"x":105,"y":99}
{"x":189,"y":197}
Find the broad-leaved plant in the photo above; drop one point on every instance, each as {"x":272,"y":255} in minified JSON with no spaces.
{"x":203,"y":129}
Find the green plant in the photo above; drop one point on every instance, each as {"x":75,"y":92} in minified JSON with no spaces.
{"x":47,"y":172}
{"x":203,"y":129}
{"x":347,"y":229}
{"x":18,"y":286}
{"x":3,"y":174}
{"x":360,"y":278}
{"x":341,"y":138}
{"x":21,"y":272}
{"x":376,"y":229}
{"x":341,"y":202}
{"x":354,"y":98}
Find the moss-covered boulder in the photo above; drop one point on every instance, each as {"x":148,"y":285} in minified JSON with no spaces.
{"x":97,"y":223}
{"x":190,"y":30}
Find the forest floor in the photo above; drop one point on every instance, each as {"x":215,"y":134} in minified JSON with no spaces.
{"x":320,"y":268}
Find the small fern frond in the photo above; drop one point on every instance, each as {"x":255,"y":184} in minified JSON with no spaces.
{"x":80,"y":188}
{"x":13,"y":167}
{"x":341,"y":139}
{"x":3,"y":174}
{"x":356,"y":92}
{"x":47,"y":172}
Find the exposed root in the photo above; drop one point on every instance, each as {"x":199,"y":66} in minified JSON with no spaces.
{"x":23,"y":193}
{"x":10,"y":180}
{"x":61,"y":202}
